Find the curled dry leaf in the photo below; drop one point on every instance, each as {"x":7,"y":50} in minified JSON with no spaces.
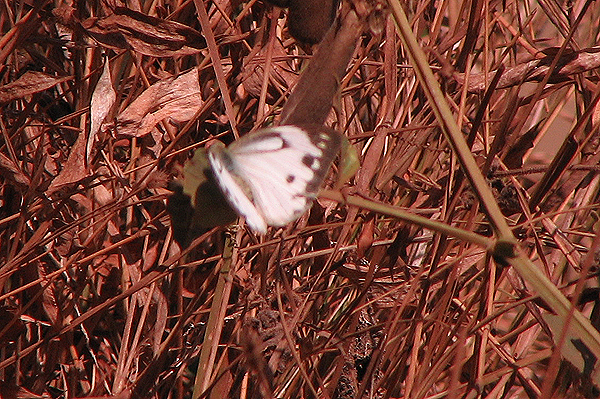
{"x":74,"y":169}
{"x":569,"y":64}
{"x":31,"y":82}
{"x":155,"y":37}
{"x":177,"y":98}
{"x":102,"y":101}
{"x":366,"y":238}
{"x":162,"y":315}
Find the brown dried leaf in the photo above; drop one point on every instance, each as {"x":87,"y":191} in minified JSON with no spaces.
{"x":156,"y":37}
{"x":29,"y":83}
{"x":102,"y":101}
{"x":74,"y":169}
{"x":11,"y":172}
{"x":177,"y":98}
{"x":570,"y":63}
{"x":366,"y":238}
{"x":309,"y":20}
{"x":160,"y":323}
{"x":372,"y":161}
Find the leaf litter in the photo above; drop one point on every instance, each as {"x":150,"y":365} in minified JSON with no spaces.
{"x":98,"y":299}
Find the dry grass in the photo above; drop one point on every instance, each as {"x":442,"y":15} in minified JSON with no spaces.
{"x":98,"y":300}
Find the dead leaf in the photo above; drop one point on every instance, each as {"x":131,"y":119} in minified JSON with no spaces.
{"x":29,"y":83}
{"x":366,"y":238}
{"x":160,"y":322}
{"x":309,"y":20}
{"x":177,"y":98}
{"x":74,"y":169}
{"x":102,"y":101}
{"x":156,"y":37}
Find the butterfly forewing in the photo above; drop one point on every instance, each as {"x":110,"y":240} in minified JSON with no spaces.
{"x":272,"y":176}
{"x":234,"y":189}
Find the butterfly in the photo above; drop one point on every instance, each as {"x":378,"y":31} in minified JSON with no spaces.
{"x":271,"y":177}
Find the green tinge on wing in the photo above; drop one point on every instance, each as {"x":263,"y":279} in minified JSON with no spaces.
{"x":349,"y":163}
{"x":197,"y":203}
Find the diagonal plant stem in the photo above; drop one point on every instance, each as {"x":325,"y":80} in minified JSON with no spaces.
{"x":216,"y":318}
{"x":385,"y":209}
{"x":506,"y":246}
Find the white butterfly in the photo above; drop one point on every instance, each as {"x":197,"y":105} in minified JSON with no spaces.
{"x":272,"y":176}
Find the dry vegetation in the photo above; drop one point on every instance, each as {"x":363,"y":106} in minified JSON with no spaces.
{"x":98,"y":300}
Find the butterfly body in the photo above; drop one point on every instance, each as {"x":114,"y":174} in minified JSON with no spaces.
{"x":272,"y":176}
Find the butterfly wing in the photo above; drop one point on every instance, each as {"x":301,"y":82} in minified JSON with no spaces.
{"x":271,"y":177}
{"x":234,"y":189}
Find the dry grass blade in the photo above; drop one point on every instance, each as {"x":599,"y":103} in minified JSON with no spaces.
{"x":581,"y":328}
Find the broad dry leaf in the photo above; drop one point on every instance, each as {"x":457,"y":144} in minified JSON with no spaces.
{"x":177,"y":98}
{"x":145,"y":34}
{"x":102,"y":101}
{"x":312,"y":98}
{"x":74,"y":169}
{"x":31,"y":82}
{"x":309,"y":20}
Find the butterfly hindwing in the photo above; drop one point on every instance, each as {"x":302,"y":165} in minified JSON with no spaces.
{"x":272,"y":176}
